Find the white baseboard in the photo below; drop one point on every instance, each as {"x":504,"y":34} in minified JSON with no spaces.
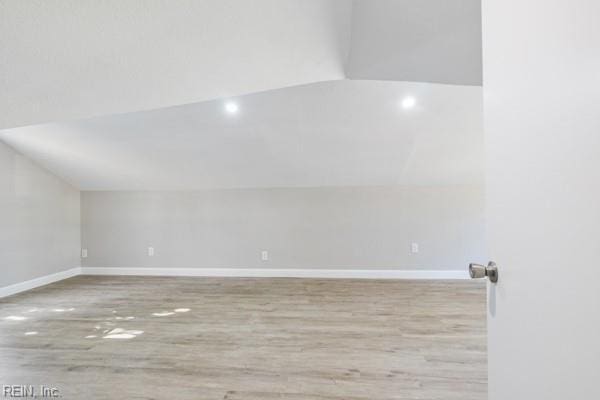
{"x":283,"y":273}
{"x":238,"y":272}
{"x":36,"y":282}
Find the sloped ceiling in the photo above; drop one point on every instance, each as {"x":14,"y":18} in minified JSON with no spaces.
{"x":416,"y":40}
{"x":339,"y":133}
{"x":75,"y":75}
{"x":67,"y":59}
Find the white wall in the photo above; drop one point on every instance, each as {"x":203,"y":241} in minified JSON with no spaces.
{"x":39,"y":220}
{"x":351,"y":227}
{"x":542,"y":134}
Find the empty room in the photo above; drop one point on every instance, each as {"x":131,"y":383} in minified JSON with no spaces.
{"x":299,"y":199}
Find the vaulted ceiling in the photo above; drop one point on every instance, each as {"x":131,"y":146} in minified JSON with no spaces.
{"x":416,"y":40}
{"x":339,"y":133}
{"x":67,"y":59}
{"x":120,"y":95}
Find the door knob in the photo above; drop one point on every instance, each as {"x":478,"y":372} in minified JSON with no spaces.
{"x":481,"y":271}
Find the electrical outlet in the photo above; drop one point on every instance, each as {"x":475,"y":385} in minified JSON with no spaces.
{"x":83,"y":253}
{"x":150,"y":251}
{"x":414,"y":248}
{"x":264,"y":255}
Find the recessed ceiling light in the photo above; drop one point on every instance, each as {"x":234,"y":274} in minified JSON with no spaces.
{"x":408,"y":102}
{"x":231,"y":107}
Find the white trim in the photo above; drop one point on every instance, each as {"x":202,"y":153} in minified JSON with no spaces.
{"x":283,"y":273}
{"x":36,"y":282}
{"x":238,"y":272}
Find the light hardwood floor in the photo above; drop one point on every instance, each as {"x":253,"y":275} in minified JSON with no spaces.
{"x":259,"y":338}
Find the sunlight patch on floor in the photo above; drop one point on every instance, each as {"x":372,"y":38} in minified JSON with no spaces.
{"x":15,"y":318}
{"x":120,"y":333}
{"x":163,"y":314}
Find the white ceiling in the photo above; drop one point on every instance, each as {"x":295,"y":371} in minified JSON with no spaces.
{"x":67,"y":59}
{"x":335,"y":133}
{"x":416,"y":40}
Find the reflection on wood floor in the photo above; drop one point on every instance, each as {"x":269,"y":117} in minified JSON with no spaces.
{"x":241,"y":338}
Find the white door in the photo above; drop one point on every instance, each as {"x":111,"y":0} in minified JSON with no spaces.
{"x":542,"y":131}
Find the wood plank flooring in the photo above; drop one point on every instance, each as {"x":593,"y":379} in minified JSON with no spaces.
{"x":230,"y":338}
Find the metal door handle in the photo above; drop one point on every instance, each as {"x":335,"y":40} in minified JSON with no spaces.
{"x":481,"y":271}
